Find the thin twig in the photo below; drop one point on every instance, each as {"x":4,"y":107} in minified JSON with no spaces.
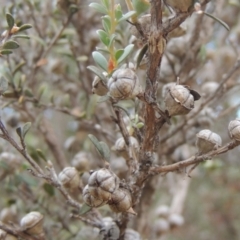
{"x":194,"y":159}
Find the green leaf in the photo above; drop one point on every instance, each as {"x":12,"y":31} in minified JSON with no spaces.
{"x":18,"y":67}
{"x":106,"y":151}
{"x":10,"y":20}
{"x":98,"y":72}
{"x":141,"y":6}
{"x":19,"y":132}
{"x":112,"y":38}
{"x":26,"y":128}
{"x":139,"y":125}
{"x":100,"y":60}
{"x":21,"y":36}
{"x":49,"y":189}
{"x":218,"y":20}
{"x":5,"y":52}
{"x":24,"y":27}
{"x":123,"y":109}
{"x":97,"y":144}
{"x":41,"y":155}
{"x":28,"y":92}
{"x":103,"y":37}
{"x":126,"y":16}
{"x":118,"y":12}
{"x":73,"y":8}
{"x":127,"y":50}
{"x":106,"y":3}
{"x":118,"y":53}
{"x":106,"y":22}
{"x":103,"y":99}
{"x":141,"y":54}
{"x":99,"y":8}
{"x":3,"y":85}
{"x":84,"y":209}
{"x":10,"y":45}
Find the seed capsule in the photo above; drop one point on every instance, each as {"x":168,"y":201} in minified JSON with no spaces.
{"x":110,"y":230}
{"x":121,"y":200}
{"x":234,"y":129}
{"x":99,"y":87}
{"x":69,"y":177}
{"x":32,"y":223}
{"x":102,"y":184}
{"x":90,"y":200}
{"x":207,"y":141}
{"x":179,"y":99}
{"x":124,"y":84}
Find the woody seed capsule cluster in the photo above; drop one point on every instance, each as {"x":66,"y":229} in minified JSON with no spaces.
{"x":103,"y":188}
{"x":207,"y":141}
{"x":179,"y":99}
{"x":234,"y":129}
{"x":124,"y":84}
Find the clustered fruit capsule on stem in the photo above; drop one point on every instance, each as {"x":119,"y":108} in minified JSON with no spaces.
{"x":124,"y":84}
{"x":179,"y":99}
{"x":102,"y":184}
{"x":69,"y":177}
{"x":234,"y":129}
{"x":32,"y":223}
{"x":207,"y":141}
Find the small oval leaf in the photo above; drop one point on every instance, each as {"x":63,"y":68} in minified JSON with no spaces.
{"x":84,"y":209}
{"x":41,"y":155}
{"x":10,"y":20}
{"x":98,"y":7}
{"x":19,"y":132}
{"x":126,"y":16}
{"x":24,"y":27}
{"x":3,"y":84}
{"x":100,"y":60}
{"x":26,"y":128}
{"x":127,"y":50}
{"x":5,"y":52}
{"x":10,"y":45}
{"x":106,"y":151}
{"x":49,"y":189}
{"x":98,"y":72}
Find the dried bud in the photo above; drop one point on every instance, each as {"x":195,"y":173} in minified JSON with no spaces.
{"x":110,"y":230}
{"x":131,"y":234}
{"x":120,"y":146}
{"x":8,"y":214}
{"x":14,"y":29}
{"x":124,"y":84}
{"x":10,"y":161}
{"x":207,"y":141}
{"x":162,"y":211}
{"x":176,"y":220}
{"x":69,"y":177}
{"x":90,"y":200}
{"x":32,"y":223}
{"x":180,"y":99}
{"x":81,"y":161}
{"x":209,"y":88}
{"x":102,"y":184}
{"x":234,"y":129}
{"x":99,"y":87}
{"x":121,"y":201}
{"x":161,"y":226}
